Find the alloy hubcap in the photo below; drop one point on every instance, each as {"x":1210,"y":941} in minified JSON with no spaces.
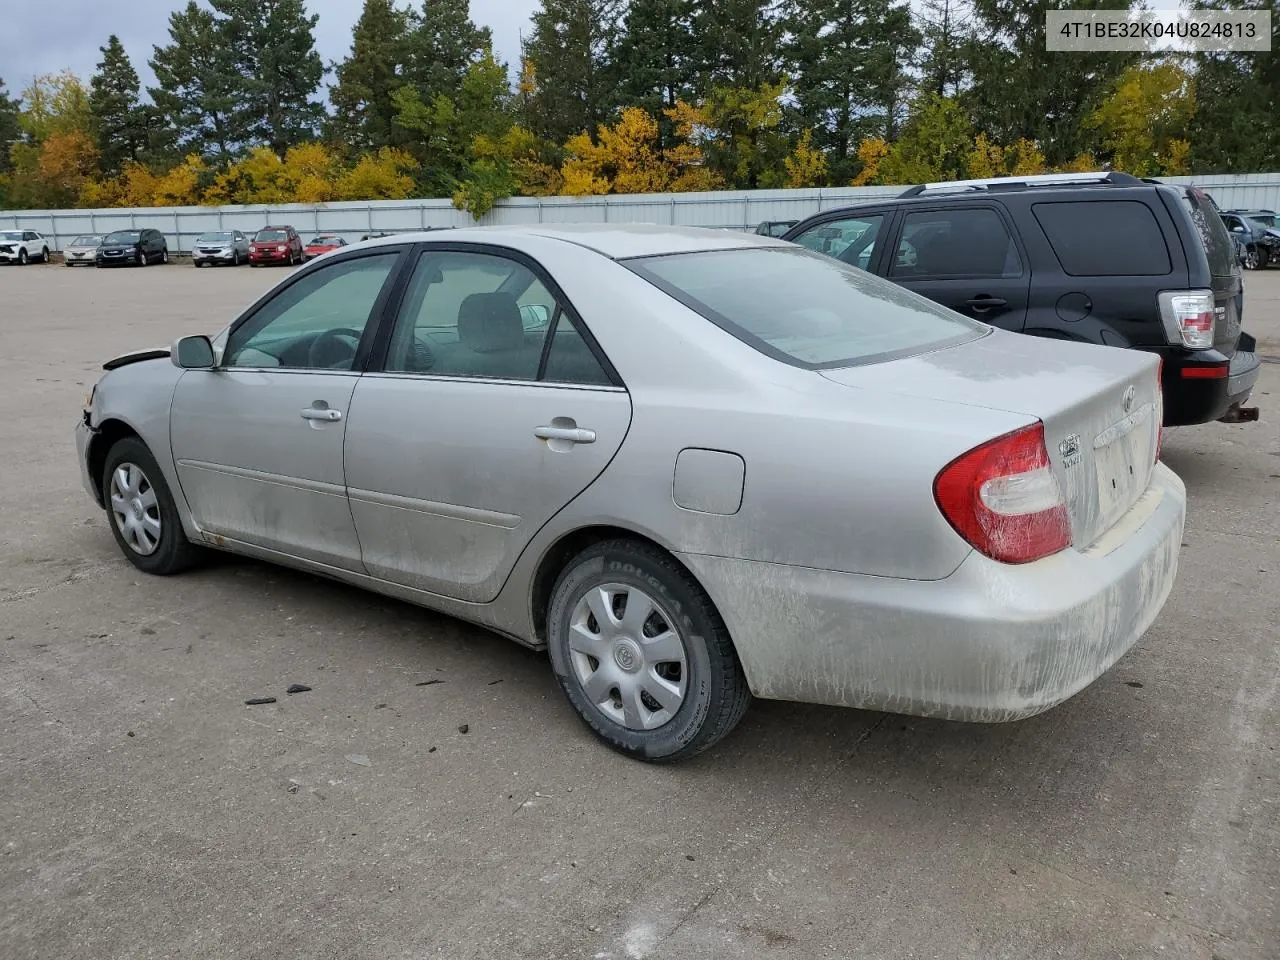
{"x":628,"y":656}
{"x":135,"y":509}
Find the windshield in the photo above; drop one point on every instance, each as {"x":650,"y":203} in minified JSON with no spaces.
{"x":11,"y":235}
{"x":806,"y":309}
{"x":265,"y":236}
{"x":214,"y":238}
{"x":123,"y":236}
{"x":84,"y":242}
{"x":1258,"y":224}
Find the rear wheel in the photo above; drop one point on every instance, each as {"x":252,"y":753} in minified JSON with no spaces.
{"x":142,"y":513}
{"x":642,"y":654}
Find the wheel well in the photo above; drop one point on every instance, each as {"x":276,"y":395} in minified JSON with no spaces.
{"x":565,"y":549}
{"x":107,"y":436}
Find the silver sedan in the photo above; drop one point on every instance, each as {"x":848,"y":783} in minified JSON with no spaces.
{"x":692,"y":465}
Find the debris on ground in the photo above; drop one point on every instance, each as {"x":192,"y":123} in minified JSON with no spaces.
{"x":360,"y":759}
{"x":259,"y":700}
{"x":298,"y":688}
{"x":427,"y":683}
{"x":464,"y":728}
{"x":492,"y":682}
{"x":432,"y":750}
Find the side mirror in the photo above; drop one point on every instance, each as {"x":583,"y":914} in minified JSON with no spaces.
{"x":535,"y":316}
{"x":192,"y":353}
{"x":1238,"y":228}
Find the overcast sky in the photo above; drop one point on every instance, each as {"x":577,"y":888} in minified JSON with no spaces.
{"x":40,"y":38}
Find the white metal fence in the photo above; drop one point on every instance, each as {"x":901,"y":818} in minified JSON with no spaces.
{"x":734,"y":210}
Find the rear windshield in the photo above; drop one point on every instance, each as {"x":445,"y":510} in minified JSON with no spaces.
{"x":806,"y":309}
{"x":123,"y":236}
{"x":214,"y":238}
{"x":265,"y":235}
{"x":323,"y":240}
{"x":1212,"y":231}
{"x":1105,"y":238}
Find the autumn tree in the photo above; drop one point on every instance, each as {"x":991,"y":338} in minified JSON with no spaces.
{"x":850,"y":59}
{"x":627,"y":157}
{"x":10,"y":129}
{"x":55,"y":103}
{"x":119,"y":119}
{"x":740,"y":133}
{"x":196,"y":84}
{"x":935,"y":144}
{"x":363,"y":110}
{"x":1143,"y":124}
{"x":568,"y":52}
{"x":386,"y":175}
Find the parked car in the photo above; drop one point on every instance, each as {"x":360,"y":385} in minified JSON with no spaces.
{"x":276,"y":245}
{"x":775,"y":228}
{"x":982,"y":526}
{"x":23,"y":247}
{"x":373,"y":236}
{"x":137,"y":247}
{"x":1094,"y":257}
{"x":1263,"y":216}
{"x":324,"y":243}
{"x":1261,"y":242}
{"x":220,"y":247}
{"x":83,"y":250}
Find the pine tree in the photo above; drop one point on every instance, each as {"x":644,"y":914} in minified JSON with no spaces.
{"x":443,"y":44}
{"x":277,"y":70}
{"x":9,"y":128}
{"x":367,"y":78}
{"x":1022,"y":91}
{"x":569,"y":53}
{"x":654,"y":57}
{"x":737,"y":43}
{"x":850,"y":61}
{"x":944,"y":31}
{"x":197,"y":86}
{"x":119,"y":119}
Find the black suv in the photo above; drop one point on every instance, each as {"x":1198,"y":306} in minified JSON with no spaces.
{"x":139,"y":247}
{"x":1104,"y":258}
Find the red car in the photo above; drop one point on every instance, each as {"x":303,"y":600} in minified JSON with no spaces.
{"x":322,"y":244}
{"x":276,"y":245}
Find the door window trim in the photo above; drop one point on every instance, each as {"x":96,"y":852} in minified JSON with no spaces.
{"x":1001,"y":213}
{"x":381,"y":344}
{"x":373,"y":325}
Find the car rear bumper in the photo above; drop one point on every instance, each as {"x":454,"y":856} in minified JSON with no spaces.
{"x":1190,"y":399}
{"x":992,"y":642}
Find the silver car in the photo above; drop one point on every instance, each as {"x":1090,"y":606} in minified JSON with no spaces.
{"x":82,"y":251}
{"x":226,"y":247}
{"x":692,"y":465}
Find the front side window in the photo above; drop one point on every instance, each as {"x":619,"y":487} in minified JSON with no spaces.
{"x":31,"y":235}
{"x":961,"y":242}
{"x":851,"y":239}
{"x":479,"y":315}
{"x":805,"y":309}
{"x":315,"y":323}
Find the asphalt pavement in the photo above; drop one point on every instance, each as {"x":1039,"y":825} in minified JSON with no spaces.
{"x":145,"y":811}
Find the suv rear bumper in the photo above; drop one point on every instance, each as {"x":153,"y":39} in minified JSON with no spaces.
{"x":1190,"y":399}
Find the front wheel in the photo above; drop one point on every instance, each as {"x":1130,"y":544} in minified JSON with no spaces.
{"x":642,"y":654}
{"x":142,"y":513}
{"x":44,"y":254}
{"x":22,"y":257}
{"x":141,"y":259}
{"x":164,"y":255}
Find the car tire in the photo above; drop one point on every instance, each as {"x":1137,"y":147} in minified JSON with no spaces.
{"x":141,"y":511}
{"x":22,"y":257}
{"x":44,"y":254}
{"x":164,"y":255}
{"x":141,"y":259}
{"x":680,"y":650}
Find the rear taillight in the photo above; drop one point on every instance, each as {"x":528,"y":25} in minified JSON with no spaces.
{"x":1188,"y":317}
{"x":1003,"y":498}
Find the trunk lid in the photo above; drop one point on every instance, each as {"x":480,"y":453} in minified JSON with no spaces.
{"x":1101,"y":408}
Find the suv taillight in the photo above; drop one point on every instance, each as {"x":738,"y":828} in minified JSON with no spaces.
{"x":1188,"y":317}
{"x":1003,"y":498}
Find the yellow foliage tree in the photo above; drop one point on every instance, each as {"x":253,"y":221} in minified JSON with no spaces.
{"x":986,"y":159}
{"x":180,"y":186}
{"x":384,"y":176}
{"x":807,"y":165}
{"x":1149,"y":108}
{"x":1084,"y":162}
{"x":1024,"y":158}
{"x":871,"y":153}
{"x":627,"y":158}
{"x":306,"y":175}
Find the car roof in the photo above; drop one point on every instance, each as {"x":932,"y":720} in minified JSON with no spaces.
{"x":617,"y":241}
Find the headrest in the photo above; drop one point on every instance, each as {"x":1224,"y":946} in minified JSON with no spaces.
{"x":490,"y":321}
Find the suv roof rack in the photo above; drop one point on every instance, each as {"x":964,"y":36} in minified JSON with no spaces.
{"x":1014,"y":183}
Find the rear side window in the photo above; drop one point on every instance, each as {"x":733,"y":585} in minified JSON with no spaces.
{"x":1105,"y":238}
{"x":1212,"y":231}
{"x":804,"y":308}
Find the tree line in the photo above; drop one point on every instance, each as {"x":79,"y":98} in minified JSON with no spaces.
{"x":612,"y":96}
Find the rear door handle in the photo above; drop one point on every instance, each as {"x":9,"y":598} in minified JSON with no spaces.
{"x":321,"y":413}
{"x":572,"y":434}
{"x":986,"y":303}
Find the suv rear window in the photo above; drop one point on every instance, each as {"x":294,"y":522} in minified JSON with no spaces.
{"x":806,"y":309}
{"x":1105,"y":238}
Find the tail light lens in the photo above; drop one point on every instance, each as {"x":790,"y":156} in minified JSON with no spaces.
{"x":1003,"y":498}
{"x":1188,"y":317}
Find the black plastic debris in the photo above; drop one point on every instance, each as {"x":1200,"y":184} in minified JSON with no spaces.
{"x":464,"y":728}
{"x":298,"y":688}
{"x":258,"y":700}
{"x":427,"y":683}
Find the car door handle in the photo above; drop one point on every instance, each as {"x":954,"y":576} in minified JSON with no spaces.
{"x":321,"y":413}
{"x":986,"y":303}
{"x":572,"y":434}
